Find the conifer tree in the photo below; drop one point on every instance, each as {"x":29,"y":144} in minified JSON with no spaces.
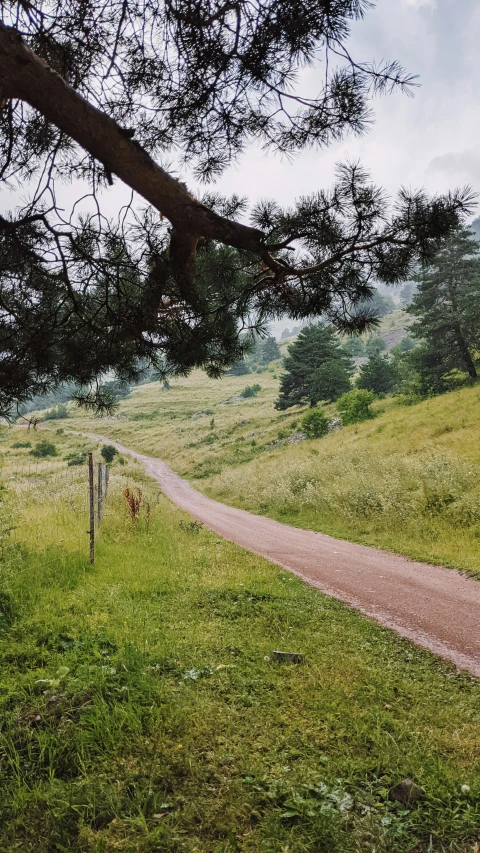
{"x":316,"y":368}
{"x":447,"y":311}
{"x":106,"y":93}
{"x":377,"y":375}
{"x":270,"y":350}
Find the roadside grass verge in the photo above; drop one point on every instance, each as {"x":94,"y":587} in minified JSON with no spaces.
{"x":141,"y":710}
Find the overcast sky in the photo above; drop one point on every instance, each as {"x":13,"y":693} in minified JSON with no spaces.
{"x":430,"y":140}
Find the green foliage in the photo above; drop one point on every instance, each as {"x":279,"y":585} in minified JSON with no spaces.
{"x":44,"y":448}
{"x":375,"y":344}
{"x":240,"y":368}
{"x":377,"y":304}
{"x":77,"y":458}
{"x":270,"y":350}
{"x":58,"y":413}
{"x":317,"y":368}
{"x":251,"y":391}
{"x":355,"y":406}
{"x":378,"y":375}
{"x":17,"y":444}
{"x":447,"y":311}
{"x":354,"y":345}
{"x":315,"y":423}
{"x":109,"y":452}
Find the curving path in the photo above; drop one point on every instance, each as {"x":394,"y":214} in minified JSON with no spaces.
{"x":434,"y":607}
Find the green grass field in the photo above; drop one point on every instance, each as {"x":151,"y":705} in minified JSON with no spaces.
{"x":141,"y":710}
{"x":405,"y":481}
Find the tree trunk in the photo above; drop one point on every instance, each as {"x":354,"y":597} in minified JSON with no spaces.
{"x":466,"y":357}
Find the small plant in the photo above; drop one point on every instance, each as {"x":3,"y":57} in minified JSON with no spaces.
{"x":191,"y":526}
{"x":109,"y":452}
{"x":212,"y":423}
{"x":315,"y":423}
{"x":19,"y":444}
{"x":133,"y":500}
{"x":44,"y":448}
{"x":355,"y":406}
{"x":78,"y":458}
{"x":251,"y":391}
{"x":57,"y":413}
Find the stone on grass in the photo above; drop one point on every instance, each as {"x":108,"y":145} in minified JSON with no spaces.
{"x":406,"y":792}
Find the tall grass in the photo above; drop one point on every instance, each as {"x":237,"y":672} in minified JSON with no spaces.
{"x":141,"y":709}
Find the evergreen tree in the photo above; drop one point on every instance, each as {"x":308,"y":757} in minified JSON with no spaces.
{"x":377,"y":375}
{"x":447,"y":308}
{"x":101,"y":92}
{"x":316,"y":368}
{"x":375,"y":344}
{"x":270,"y":350}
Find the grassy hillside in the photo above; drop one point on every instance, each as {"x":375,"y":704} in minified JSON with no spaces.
{"x":407,"y":480}
{"x":141,"y":710}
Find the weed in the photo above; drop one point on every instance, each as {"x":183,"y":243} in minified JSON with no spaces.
{"x":133,"y":498}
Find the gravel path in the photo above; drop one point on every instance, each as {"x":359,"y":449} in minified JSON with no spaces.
{"x":434,"y":607}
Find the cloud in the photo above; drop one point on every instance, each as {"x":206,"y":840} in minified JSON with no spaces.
{"x":430,"y":4}
{"x":464,"y":165}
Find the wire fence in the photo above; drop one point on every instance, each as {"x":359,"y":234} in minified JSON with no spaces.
{"x":45,"y":503}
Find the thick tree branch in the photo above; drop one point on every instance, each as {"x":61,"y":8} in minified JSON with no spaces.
{"x":25,"y":76}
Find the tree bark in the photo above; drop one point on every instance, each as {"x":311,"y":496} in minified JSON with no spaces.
{"x":465,"y":353}
{"x":25,"y":76}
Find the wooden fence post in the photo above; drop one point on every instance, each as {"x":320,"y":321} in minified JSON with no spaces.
{"x":99,"y":492}
{"x":92,"y":508}
{"x":107,"y":474}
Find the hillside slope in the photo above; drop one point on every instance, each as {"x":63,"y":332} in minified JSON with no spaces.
{"x":405,"y":481}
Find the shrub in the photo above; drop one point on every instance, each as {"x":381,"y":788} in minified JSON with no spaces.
{"x":251,"y":391}
{"x":56,"y":414}
{"x":78,"y":458}
{"x":44,"y":448}
{"x":355,"y":406}
{"x":315,"y":423}
{"x":109,"y":452}
{"x":21,"y":444}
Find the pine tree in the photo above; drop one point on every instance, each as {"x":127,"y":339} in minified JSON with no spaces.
{"x":377,"y":375}
{"x":447,"y":308}
{"x":102,"y":93}
{"x":270,"y":350}
{"x":316,"y":368}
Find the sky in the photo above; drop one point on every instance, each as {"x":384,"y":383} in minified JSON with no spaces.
{"x":429,"y":140}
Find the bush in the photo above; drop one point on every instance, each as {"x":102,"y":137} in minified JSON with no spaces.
{"x":355,"y":406}
{"x":56,"y":414}
{"x":21,"y":444}
{"x":251,"y":391}
{"x":78,"y":458}
{"x":108,"y":452}
{"x":44,"y":448}
{"x":315,"y":423}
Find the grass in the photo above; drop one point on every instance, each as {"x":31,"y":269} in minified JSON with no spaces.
{"x":141,"y":710}
{"x":406,"y":481}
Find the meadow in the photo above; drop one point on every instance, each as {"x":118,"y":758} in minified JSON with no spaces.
{"x":406,"y":481}
{"x":142,"y":710}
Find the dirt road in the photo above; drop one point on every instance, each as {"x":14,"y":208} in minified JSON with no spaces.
{"x":437,"y":608}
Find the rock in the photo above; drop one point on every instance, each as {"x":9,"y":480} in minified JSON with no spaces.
{"x":334,"y":424}
{"x":406,"y":792}
{"x":296,"y":436}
